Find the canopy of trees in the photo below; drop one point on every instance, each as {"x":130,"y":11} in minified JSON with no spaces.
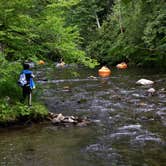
{"x":81,"y":30}
{"x":132,"y":31}
{"x":39,"y":28}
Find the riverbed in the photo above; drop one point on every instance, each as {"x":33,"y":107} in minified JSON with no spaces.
{"x":128,"y":129}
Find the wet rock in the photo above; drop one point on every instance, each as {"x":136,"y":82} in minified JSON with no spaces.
{"x":66,"y":89}
{"x":59,"y":119}
{"x":148,"y":137}
{"x":144,"y":82}
{"x":122,"y":135}
{"x":136,"y":95}
{"x":142,"y":104}
{"x":69,"y":119}
{"x":96,"y":121}
{"x":150,"y":92}
{"x":163,"y":90}
{"x":95,"y":148}
{"x":131,"y":127}
{"x":92,"y":77}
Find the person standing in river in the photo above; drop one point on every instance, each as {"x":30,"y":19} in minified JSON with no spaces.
{"x":27,"y":83}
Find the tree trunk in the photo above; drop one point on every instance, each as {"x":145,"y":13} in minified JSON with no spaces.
{"x":1,"y":47}
{"x":97,"y":20}
{"x":120,"y":18}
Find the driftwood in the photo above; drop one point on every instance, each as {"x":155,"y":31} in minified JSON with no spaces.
{"x":59,"y":119}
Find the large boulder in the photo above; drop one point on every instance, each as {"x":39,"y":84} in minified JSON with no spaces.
{"x":144,"y":82}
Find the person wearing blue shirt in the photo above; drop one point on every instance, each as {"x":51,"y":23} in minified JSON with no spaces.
{"x":27,"y":83}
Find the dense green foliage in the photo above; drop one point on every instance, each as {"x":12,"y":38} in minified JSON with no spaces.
{"x":10,"y":94}
{"x":10,"y":112}
{"x":109,"y":30}
{"x":30,"y":29}
{"x":135,"y":32}
{"x":89,"y":16}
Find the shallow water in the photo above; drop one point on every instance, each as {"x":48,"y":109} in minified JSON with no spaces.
{"x":129,"y":126}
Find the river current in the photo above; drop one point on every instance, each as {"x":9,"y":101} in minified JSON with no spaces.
{"x":128,"y":129}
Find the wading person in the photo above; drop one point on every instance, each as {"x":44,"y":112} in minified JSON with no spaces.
{"x":27,"y":83}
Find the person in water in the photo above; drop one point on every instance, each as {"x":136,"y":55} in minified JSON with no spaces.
{"x":27,"y":83}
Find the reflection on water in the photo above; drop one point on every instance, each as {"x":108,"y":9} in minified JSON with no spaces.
{"x":129,"y":128}
{"x":44,"y":145}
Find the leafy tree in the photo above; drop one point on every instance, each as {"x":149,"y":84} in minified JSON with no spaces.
{"x":134,"y":32}
{"x":155,"y":33}
{"x":16,"y":28}
{"x":89,"y":16}
{"x":30,"y":29}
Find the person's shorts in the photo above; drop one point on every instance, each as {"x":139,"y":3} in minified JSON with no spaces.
{"x":26,"y":89}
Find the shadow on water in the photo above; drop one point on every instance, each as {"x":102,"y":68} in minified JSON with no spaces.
{"x":129,"y":127}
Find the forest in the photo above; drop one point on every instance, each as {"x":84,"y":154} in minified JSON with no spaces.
{"x":85,"y":32}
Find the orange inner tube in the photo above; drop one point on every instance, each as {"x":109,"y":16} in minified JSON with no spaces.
{"x":104,"y":72}
{"x":122,"y":66}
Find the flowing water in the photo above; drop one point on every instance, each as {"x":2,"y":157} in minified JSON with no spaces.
{"x":128,"y":129}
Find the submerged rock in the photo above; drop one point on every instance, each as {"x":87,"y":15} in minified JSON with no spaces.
{"x":144,"y":82}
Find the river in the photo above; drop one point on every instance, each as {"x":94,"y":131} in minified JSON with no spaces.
{"x":128,"y":129}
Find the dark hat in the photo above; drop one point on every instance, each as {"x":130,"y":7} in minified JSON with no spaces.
{"x":26,"y":66}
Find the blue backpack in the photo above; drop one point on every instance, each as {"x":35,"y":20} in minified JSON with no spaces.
{"x":22,"y":79}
